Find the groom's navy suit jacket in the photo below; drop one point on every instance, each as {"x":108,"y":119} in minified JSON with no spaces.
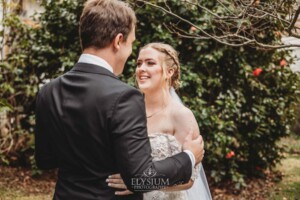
{"x":89,"y":125}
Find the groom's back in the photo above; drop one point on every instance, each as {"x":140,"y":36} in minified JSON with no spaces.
{"x":75,"y":111}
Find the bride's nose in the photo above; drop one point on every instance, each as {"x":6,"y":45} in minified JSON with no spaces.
{"x":142,"y":68}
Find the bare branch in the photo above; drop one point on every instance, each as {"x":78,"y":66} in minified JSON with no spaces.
{"x":182,"y":33}
{"x":244,"y":22}
{"x":289,"y":29}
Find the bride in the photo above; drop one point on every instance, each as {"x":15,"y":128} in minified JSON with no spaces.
{"x":168,"y":120}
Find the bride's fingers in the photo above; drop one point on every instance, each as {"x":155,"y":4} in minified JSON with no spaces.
{"x":117,"y":185}
{"x":126,"y":192}
{"x":118,"y":181}
{"x":115,"y":176}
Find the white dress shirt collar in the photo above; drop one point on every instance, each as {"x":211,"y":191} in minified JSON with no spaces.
{"x":95,"y":60}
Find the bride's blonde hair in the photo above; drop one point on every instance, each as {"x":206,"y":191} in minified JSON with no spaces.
{"x":170,"y":61}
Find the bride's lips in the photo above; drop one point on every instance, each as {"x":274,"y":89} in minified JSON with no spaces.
{"x":143,"y":77}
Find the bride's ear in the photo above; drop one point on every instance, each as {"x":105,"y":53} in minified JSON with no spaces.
{"x":170,"y":72}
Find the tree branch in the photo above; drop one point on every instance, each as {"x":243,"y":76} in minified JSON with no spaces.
{"x":243,"y":24}
{"x":289,"y":29}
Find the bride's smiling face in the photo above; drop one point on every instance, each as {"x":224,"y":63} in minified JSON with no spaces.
{"x":149,"y":72}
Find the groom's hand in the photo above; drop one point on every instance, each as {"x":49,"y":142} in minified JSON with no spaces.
{"x":196,"y":146}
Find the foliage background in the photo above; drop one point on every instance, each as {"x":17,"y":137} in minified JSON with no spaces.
{"x":241,"y":114}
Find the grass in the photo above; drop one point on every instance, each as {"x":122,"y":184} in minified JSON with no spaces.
{"x":17,"y":184}
{"x":12,"y":194}
{"x":289,"y":187}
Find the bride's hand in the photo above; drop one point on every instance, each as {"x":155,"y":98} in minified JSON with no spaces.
{"x":116,"y":181}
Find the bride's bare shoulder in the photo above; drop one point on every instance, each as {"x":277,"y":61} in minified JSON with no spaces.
{"x":183,"y":121}
{"x":181,"y":113}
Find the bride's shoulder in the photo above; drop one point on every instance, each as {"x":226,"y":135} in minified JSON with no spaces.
{"x":183,"y":121}
{"x":180,"y":112}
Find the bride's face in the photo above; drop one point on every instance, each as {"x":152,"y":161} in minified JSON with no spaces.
{"x":149,"y":73}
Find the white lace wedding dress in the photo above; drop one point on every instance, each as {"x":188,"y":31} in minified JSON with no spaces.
{"x":163,"y":146}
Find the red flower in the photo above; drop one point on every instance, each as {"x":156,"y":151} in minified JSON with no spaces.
{"x":257,"y":71}
{"x":283,"y":63}
{"x":258,"y":168}
{"x":230,"y":154}
{"x":193,"y":29}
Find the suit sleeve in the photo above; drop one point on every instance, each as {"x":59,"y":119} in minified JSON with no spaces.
{"x":132,"y":147}
{"x":44,"y":155}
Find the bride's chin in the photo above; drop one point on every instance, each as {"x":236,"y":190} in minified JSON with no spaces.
{"x":143,"y":88}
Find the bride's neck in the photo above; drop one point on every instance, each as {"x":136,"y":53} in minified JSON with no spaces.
{"x":157,"y":100}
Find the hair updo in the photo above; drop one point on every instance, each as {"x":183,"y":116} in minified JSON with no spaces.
{"x":170,"y":61}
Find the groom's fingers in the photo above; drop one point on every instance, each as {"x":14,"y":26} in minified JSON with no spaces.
{"x":189,"y":136}
{"x":200,"y":140}
{"x":200,"y":156}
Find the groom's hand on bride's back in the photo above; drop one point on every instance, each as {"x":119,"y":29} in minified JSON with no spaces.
{"x":196,"y":146}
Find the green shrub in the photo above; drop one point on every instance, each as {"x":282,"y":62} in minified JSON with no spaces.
{"x":40,"y":49}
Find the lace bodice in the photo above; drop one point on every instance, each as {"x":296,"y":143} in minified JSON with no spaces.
{"x":163,"y":146}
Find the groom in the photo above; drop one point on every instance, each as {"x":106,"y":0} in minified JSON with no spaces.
{"x":89,"y":124}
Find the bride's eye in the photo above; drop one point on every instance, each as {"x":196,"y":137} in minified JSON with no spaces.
{"x":151,"y":63}
{"x":138,"y":64}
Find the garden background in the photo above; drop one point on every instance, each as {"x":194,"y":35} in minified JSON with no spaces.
{"x":245,"y":98}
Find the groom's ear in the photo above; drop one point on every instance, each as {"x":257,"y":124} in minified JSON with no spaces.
{"x":117,"y":41}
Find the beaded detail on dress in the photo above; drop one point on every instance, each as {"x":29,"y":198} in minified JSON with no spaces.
{"x":163,"y":146}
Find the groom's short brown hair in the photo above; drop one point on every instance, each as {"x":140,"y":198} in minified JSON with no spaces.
{"x":102,"y":20}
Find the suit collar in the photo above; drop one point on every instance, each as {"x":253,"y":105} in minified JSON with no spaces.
{"x":94,"y":69}
{"x":95,"y":60}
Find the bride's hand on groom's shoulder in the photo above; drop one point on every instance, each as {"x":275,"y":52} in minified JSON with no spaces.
{"x":116,"y":181}
{"x":196,"y":146}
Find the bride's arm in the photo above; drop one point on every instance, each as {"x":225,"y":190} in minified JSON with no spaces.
{"x":184,"y":121}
